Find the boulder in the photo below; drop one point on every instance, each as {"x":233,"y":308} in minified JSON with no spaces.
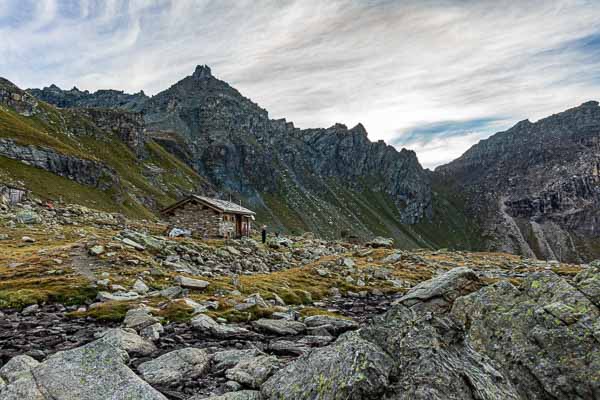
{"x":208,"y":326}
{"x":414,"y":351}
{"x":545,"y":335}
{"x":191,"y":283}
{"x":127,"y":340}
{"x":27,"y":217}
{"x":439,"y":293}
{"x":142,"y":241}
{"x":239,"y":395}
{"x":133,"y":244}
{"x":91,"y":372}
{"x":18,"y":367}
{"x":152,"y":332}
{"x":352,"y":368}
{"x":333,"y":325}
{"x":288,"y":347}
{"x":279,"y":326}
{"x":379,"y":242}
{"x":171,"y":292}
{"x":254,"y":371}
{"x":29,"y":310}
{"x":117,"y":296}
{"x":392,"y":258}
{"x":139,"y":318}
{"x":223,"y":360}
{"x":171,"y":368}
{"x":588,"y":282}
{"x":140,"y":287}
{"x":251,"y":301}
{"x":96,"y":250}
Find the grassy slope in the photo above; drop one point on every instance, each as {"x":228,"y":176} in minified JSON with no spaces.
{"x":449,"y":227}
{"x":367,"y":212}
{"x":48,"y":130}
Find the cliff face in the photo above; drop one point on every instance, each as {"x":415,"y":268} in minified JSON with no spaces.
{"x":536,"y":187}
{"x":322,"y":180}
{"x":128,"y":126}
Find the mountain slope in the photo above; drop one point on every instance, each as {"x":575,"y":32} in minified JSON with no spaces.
{"x":535,"y":188}
{"x":95,"y":157}
{"x":327,"y":181}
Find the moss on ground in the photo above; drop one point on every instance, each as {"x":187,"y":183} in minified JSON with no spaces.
{"x":113,"y":311}
{"x":312,"y":311}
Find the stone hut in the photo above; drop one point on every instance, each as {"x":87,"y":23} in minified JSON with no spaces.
{"x":209,"y":217}
{"x":11,"y":194}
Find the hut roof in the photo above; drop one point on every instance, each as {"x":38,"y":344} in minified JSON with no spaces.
{"x":217,"y":204}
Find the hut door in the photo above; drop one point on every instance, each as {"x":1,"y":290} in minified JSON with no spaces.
{"x":238,"y":225}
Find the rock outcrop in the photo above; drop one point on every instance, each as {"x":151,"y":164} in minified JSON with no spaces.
{"x":94,"y":371}
{"x":449,"y":339}
{"x":536,"y":187}
{"x":11,"y":96}
{"x":84,"y":171}
{"x":127,"y":126}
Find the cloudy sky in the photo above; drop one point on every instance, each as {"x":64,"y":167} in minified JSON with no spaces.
{"x":432,"y":76}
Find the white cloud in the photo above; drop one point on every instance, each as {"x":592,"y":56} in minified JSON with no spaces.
{"x":392,"y":65}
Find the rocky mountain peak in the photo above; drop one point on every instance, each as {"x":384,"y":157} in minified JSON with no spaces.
{"x":339,"y":127}
{"x":360,"y":129}
{"x":591,"y":103}
{"x":202,"y":72}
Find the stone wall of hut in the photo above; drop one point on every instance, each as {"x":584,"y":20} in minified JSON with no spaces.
{"x":201,"y":220}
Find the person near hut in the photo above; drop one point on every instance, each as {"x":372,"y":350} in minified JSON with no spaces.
{"x":264,"y":234}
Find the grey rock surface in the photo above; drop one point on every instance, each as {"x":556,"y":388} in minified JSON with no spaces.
{"x":207,"y":325}
{"x":333,"y":325}
{"x":18,"y":367}
{"x":279,"y":326}
{"x":223,"y":360}
{"x":191,"y":283}
{"x":544,"y":335}
{"x":139,"y":318}
{"x":413,"y":352}
{"x":86,"y":172}
{"x":252,"y":372}
{"x":95,"y":371}
{"x":169,"y":369}
{"x":127,"y":340}
{"x":239,"y":395}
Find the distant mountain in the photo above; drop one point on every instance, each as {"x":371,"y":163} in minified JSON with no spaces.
{"x":101,"y":98}
{"x":535,"y":188}
{"x":328,"y":181}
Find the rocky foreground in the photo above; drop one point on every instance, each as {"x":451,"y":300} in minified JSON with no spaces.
{"x":94,"y":306}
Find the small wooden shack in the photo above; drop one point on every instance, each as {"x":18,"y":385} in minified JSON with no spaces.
{"x":209,"y":217}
